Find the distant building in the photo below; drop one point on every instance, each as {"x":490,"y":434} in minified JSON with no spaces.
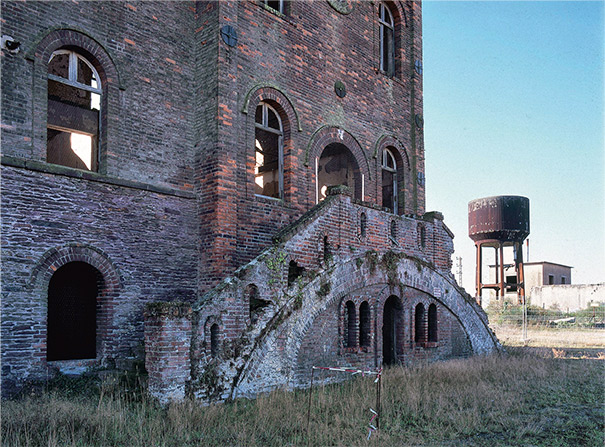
{"x":549,"y":286}
{"x":536,"y":274}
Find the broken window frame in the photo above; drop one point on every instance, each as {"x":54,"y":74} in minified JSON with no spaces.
{"x":387,"y":33}
{"x":386,"y":155}
{"x":264,"y":126}
{"x":72,"y":81}
{"x":281,"y":5}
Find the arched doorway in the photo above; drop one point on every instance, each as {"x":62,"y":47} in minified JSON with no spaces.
{"x":337,"y":166}
{"x":72,"y":312}
{"x":391,"y":328}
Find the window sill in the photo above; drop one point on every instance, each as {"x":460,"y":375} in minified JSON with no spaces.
{"x":50,"y":168}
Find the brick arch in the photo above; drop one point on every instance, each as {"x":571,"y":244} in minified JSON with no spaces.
{"x":391,"y":141}
{"x":57,"y":257}
{"x":272,"y":95}
{"x":481,"y":338}
{"x":65,"y":36}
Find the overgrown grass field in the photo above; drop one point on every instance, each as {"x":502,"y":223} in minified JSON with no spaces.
{"x":526,"y":397}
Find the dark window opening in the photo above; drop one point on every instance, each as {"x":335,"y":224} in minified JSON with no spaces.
{"x":277,"y":5}
{"x":422,"y":237}
{"x":563,"y":280}
{"x":364,"y":324}
{"x":389,"y":182}
{"x":74,"y":104}
{"x":73,"y":291}
{"x":294,"y":272}
{"x":268,"y":144}
{"x":432,"y":323}
{"x":337,"y":166}
{"x":419,"y":334}
{"x":256,"y":304}
{"x":551,"y":279}
{"x":511,"y":283}
{"x":391,"y":331}
{"x":327,"y":249}
{"x":350,"y":323}
{"x":393,"y":230}
{"x":214,"y":340}
{"x":387,"y":40}
{"x":363,"y":224}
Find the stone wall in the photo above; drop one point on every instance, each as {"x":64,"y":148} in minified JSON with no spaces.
{"x":142,"y":243}
{"x":568,"y":298}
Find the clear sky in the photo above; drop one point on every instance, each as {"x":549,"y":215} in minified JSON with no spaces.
{"x":513,"y":105}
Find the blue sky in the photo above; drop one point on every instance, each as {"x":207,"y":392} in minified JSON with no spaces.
{"x":513,"y":105}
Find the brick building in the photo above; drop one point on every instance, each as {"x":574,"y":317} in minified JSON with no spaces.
{"x":188,"y":153}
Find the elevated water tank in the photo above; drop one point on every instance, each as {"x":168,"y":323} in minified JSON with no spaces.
{"x":499,"y":218}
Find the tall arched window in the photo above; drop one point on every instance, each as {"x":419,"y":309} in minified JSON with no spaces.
{"x":389,"y":181}
{"x":387,"y":40}
{"x":432,"y":323}
{"x":364,"y":324}
{"x":269,"y":152}
{"x":350,"y":323}
{"x":419,"y":334}
{"x":74,"y":106}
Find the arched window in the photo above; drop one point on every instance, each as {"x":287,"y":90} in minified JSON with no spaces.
{"x":387,"y":40}
{"x":74,"y":106}
{"x":214,"y":340}
{"x":350,"y":323}
{"x":364,"y":324}
{"x":72,"y":312}
{"x":389,"y":181}
{"x":419,"y":334}
{"x":269,"y":152}
{"x":432,"y":323}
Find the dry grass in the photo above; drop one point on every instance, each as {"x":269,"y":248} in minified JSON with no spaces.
{"x":530,"y":396}
{"x":553,"y":338}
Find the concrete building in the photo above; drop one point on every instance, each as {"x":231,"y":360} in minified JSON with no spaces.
{"x":172,"y":188}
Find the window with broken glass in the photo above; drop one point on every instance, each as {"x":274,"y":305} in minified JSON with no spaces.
{"x":387,"y":40}
{"x":74,"y":106}
{"x":277,"y":5}
{"x":268,"y":143}
{"x":389,"y":181}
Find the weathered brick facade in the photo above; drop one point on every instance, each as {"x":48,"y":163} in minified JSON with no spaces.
{"x":173,"y":212}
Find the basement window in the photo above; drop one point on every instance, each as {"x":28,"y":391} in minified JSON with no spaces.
{"x":74,"y":106}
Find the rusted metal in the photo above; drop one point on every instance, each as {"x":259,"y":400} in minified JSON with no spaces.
{"x":499,"y":218}
{"x":497,"y":222}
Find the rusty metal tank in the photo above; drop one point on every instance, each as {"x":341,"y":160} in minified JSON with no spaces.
{"x":500,"y":218}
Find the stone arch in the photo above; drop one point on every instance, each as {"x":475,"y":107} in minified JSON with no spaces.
{"x":344,"y":280}
{"x":109,"y":288}
{"x":83,"y":43}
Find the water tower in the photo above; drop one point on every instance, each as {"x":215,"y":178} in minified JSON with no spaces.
{"x":497,"y":222}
